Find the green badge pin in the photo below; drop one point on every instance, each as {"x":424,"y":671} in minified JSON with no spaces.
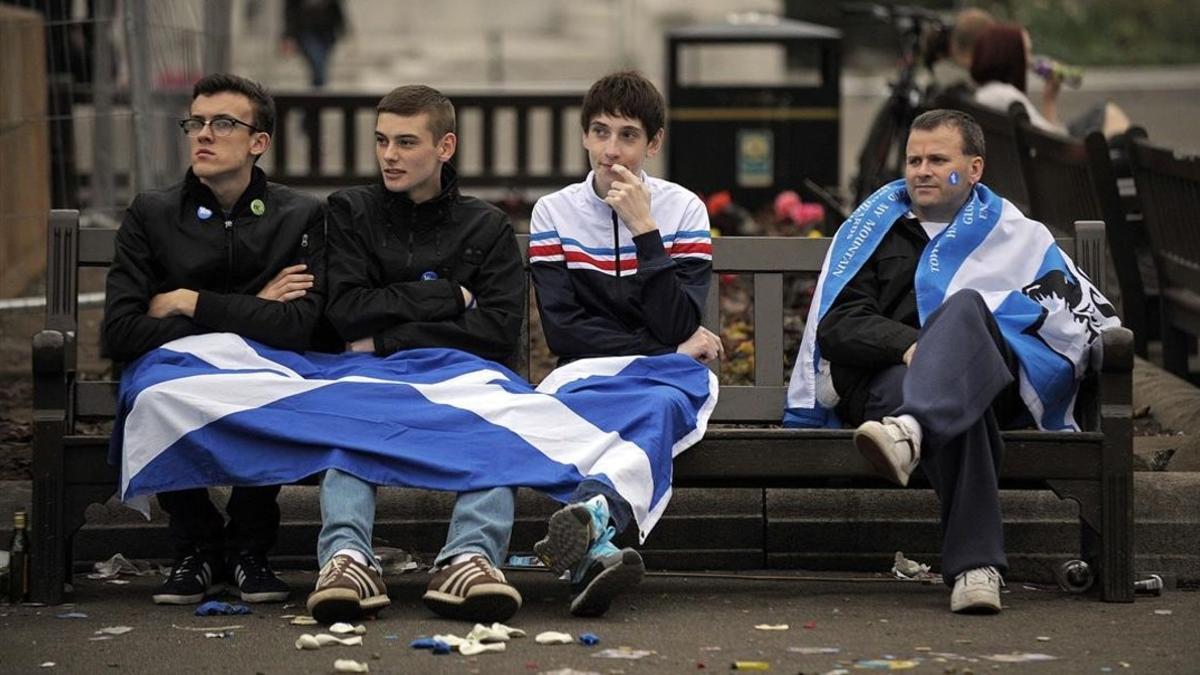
{"x":257,"y":207}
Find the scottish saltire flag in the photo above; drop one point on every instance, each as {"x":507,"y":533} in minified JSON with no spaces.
{"x":1047,"y":309}
{"x":219,"y":409}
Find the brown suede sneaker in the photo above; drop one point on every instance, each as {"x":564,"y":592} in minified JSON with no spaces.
{"x":472,"y":590}
{"x":346,"y":590}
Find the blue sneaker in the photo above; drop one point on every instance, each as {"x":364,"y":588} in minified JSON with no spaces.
{"x":579,"y":539}
{"x":603,"y":574}
{"x":570,"y":533}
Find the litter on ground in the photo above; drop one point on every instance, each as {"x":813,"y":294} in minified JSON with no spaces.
{"x":1019,"y":657}
{"x":623,"y":653}
{"x":551,"y":637}
{"x":306,"y":641}
{"x":218,"y":608}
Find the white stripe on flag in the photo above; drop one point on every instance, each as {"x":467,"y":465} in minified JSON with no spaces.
{"x":186,"y":404}
{"x":583,"y":368}
{"x":554,"y":429}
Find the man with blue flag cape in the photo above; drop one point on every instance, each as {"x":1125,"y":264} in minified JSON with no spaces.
{"x":942,"y":315}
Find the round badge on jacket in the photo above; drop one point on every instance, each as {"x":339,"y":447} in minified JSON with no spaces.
{"x":429,"y":275}
{"x":257,"y":207}
{"x":203,"y":213}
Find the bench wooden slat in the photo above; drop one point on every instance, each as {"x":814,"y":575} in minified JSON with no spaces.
{"x":768,"y":329}
{"x":96,"y":246}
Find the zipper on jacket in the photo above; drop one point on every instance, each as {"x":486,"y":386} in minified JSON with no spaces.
{"x":408,"y":265}
{"x":228,"y":255}
{"x":616,"y":246}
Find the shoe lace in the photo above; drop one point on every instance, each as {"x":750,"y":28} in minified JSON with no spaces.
{"x":981,"y":576}
{"x":604,"y":539}
{"x":254,"y":565}
{"x":488,"y":569}
{"x":334,"y":569}
{"x":186,"y":567}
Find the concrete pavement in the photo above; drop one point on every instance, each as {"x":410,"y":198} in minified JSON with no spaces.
{"x":690,"y":623}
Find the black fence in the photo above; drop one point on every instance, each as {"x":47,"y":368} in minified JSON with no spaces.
{"x":505,"y":140}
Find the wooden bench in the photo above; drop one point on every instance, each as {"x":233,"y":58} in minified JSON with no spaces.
{"x":1168,"y":187}
{"x":744,"y":446}
{"x":1070,"y":179}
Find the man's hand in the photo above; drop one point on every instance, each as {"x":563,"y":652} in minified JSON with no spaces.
{"x":908,"y":354}
{"x":630,"y":198}
{"x":289,"y":284}
{"x":703,"y":345}
{"x":366,"y":344}
{"x":179,"y":302}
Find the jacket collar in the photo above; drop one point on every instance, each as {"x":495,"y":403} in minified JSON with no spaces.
{"x":403,"y":212}
{"x":595,"y":200}
{"x":199,"y":194}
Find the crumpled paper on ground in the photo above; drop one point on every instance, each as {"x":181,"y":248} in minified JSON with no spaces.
{"x":911,"y":570}
{"x":306,"y":641}
{"x":395,"y":561}
{"x":120,"y":565}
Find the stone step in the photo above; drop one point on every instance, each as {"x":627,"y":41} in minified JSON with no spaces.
{"x":724,"y":529}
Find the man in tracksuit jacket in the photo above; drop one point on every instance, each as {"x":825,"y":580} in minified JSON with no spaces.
{"x":621,"y":265}
{"x":221,"y":251}
{"x":413,"y":263}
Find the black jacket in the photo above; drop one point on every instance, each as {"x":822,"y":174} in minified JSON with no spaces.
{"x":874,"y":320}
{"x":164,"y":244}
{"x":395,"y":269}
{"x":586,"y":313}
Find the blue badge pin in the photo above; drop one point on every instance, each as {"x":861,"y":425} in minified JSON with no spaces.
{"x":429,"y":275}
{"x":954,"y":178}
{"x":203,"y":213}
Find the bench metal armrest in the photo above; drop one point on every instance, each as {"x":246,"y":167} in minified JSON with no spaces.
{"x":54,"y":354}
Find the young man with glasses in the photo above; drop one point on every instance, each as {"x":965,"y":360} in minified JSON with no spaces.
{"x":223,"y":250}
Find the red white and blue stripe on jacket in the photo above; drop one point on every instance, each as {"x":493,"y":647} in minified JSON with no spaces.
{"x":573,"y":226}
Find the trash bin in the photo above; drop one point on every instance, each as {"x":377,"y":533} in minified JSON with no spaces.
{"x":754,"y":107}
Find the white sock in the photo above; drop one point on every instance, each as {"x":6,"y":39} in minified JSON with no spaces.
{"x":358,"y":556}
{"x":462,"y":557}
{"x":913,"y":427}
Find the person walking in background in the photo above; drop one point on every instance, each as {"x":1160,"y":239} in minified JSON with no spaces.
{"x":313,"y":27}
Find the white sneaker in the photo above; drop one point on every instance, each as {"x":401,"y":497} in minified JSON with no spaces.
{"x":977,"y":591}
{"x":889,"y":447}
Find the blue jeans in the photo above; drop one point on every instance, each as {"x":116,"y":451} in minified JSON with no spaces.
{"x":481,"y":523}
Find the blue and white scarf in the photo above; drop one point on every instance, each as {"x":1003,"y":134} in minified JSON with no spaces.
{"x":218,"y":409}
{"x":1046,"y":308}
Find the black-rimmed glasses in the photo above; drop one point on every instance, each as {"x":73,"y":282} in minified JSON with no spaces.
{"x":221,"y":126}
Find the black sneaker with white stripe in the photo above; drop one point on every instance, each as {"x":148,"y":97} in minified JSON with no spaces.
{"x":346,"y":590}
{"x":255,"y":580}
{"x":192,"y":578}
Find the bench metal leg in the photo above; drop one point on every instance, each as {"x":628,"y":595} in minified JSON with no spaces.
{"x":48,"y":548}
{"x":1116,"y":489}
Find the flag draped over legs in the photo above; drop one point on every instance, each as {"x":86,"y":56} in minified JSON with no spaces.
{"x":218,"y":409}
